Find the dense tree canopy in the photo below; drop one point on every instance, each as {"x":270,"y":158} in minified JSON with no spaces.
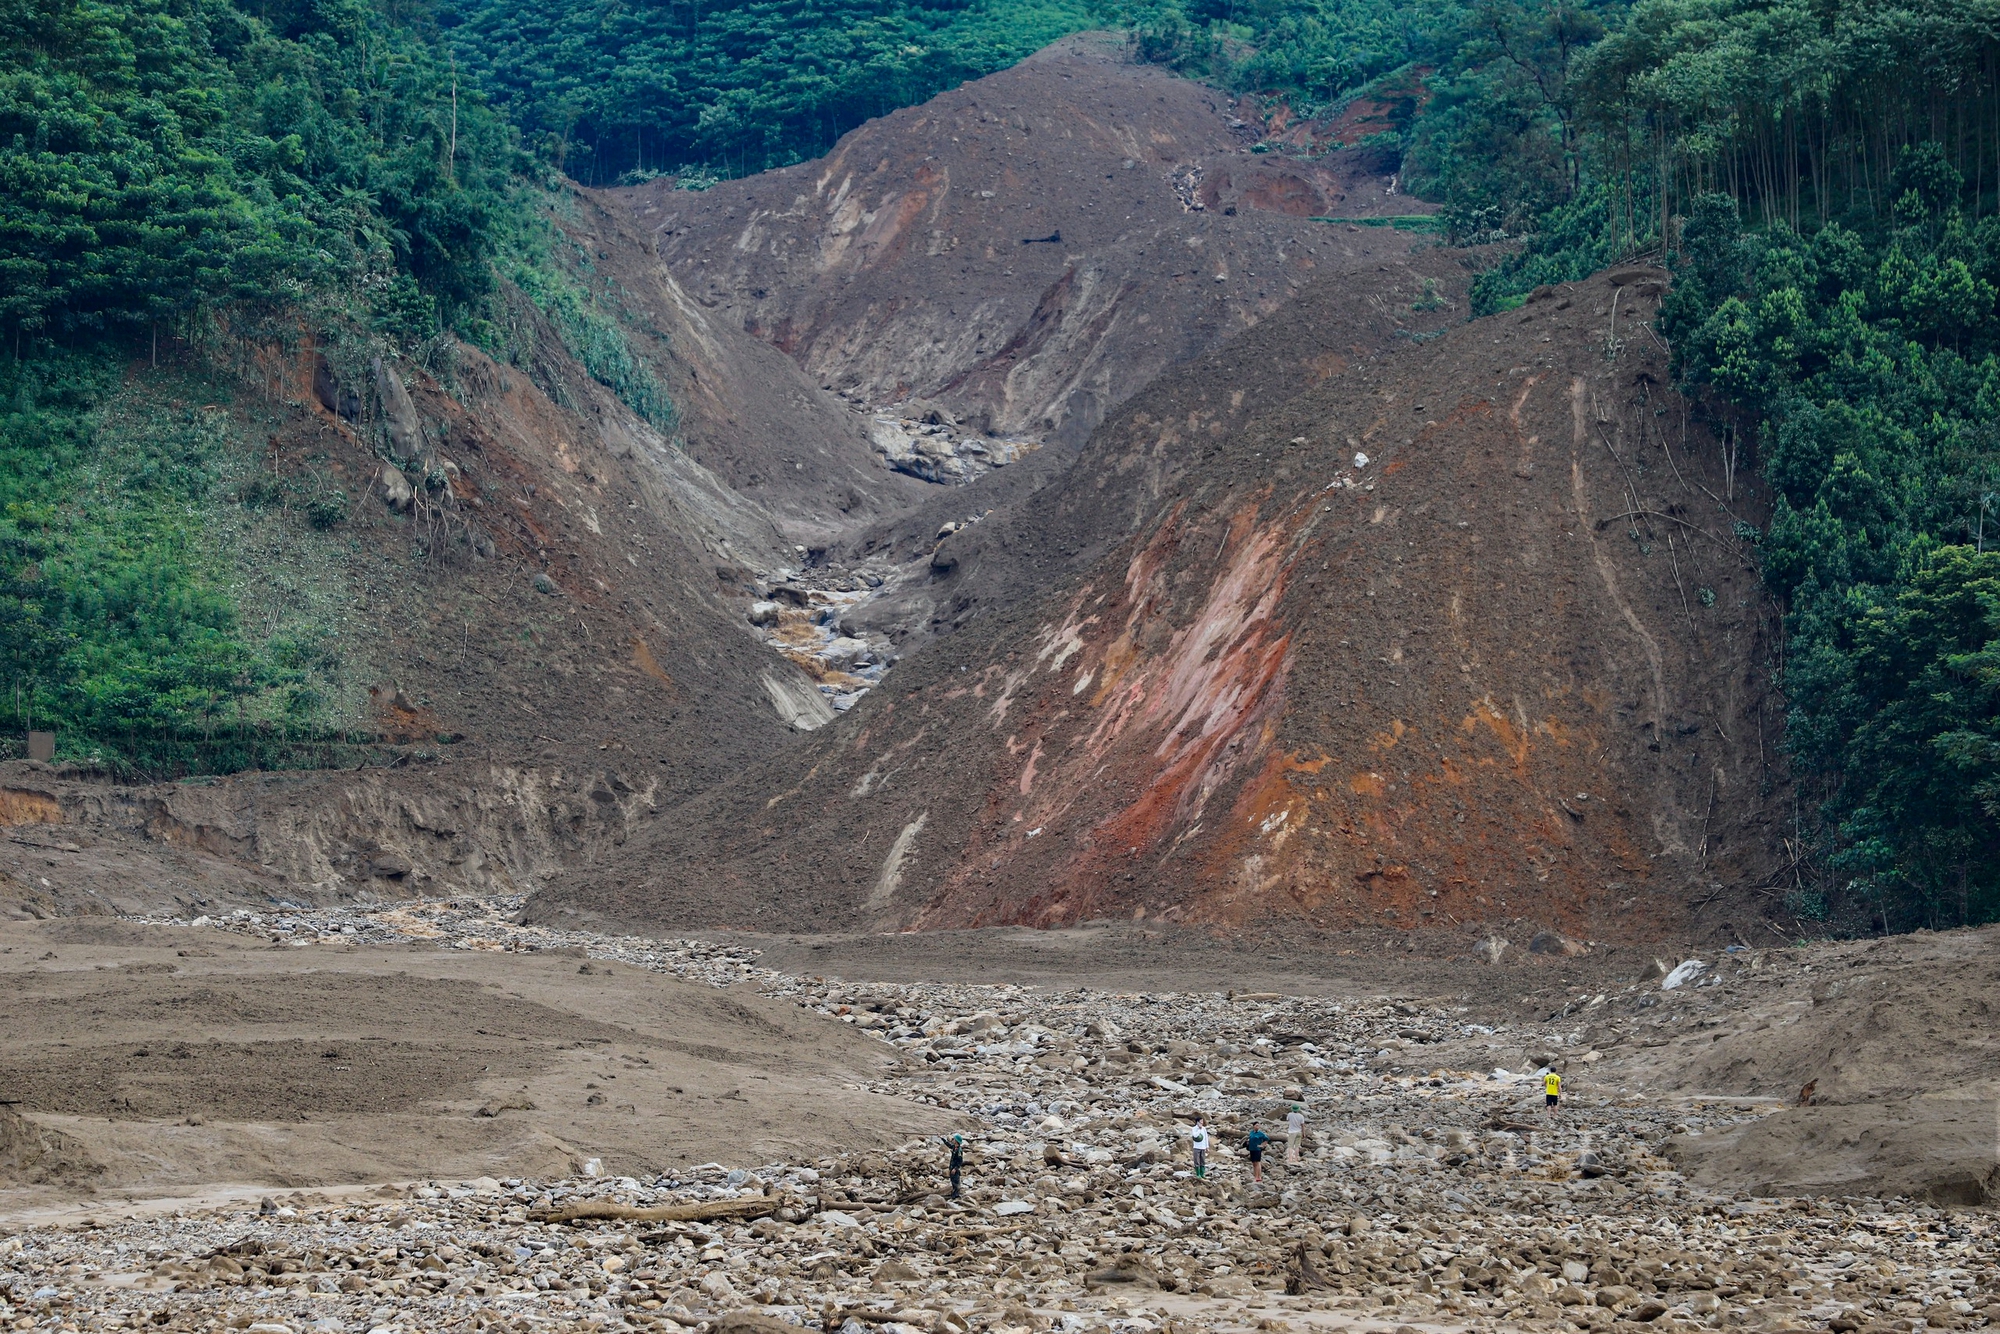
{"x":161,"y":157}
{"x":610,"y":87}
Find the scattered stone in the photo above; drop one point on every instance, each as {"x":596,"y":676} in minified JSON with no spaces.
{"x":931,"y":446}
{"x":1556,"y":943}
{"x":1684,"y":973}
{"x":1433,"y":1197}
{"x":394,"y":488}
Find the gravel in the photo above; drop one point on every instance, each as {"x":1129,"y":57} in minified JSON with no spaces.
{"x":1427,"y":1197}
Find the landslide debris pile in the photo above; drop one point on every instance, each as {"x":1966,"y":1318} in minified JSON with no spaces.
{"x":1467,"y":634}
{"x":1427,"y":1192}
{"x":1026,"y":251}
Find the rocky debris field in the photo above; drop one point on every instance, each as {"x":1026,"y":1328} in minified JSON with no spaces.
{"x":928,"y":443}
{"x":1429,"y":1196}
{"x":806,"y":617}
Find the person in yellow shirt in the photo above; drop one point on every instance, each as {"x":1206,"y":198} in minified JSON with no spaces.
{"x":1552,"y":1089}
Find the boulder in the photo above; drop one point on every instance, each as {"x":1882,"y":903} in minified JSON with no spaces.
{"x":844,"y":653}
{"x":394,"y":488}
{"x":399,"y":413}
{"x":750,"y":1322}
{"x":34,"y":1154}
{"x":795,"y":698}
{"x":332,"y":396}
{"x":1684,"y":972}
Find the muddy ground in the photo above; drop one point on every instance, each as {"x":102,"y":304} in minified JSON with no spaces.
{"x":172,"y":1060}
{"x":348,"y":1120}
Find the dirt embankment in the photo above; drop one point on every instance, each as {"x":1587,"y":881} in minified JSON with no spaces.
{"x":1467,"y":635}
{"x":1872,"y":1064}
{"x":1884,"y":1056}
{"x":70,"y":847}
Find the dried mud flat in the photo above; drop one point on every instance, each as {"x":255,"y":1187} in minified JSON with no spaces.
{"x":1434,"y":1192}
{"x":171,"y":1059}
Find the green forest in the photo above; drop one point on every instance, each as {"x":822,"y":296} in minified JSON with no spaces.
{"x":1824,"y":180}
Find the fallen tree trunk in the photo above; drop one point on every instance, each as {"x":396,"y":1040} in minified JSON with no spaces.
{"x":751,"y":1206}
{"x":1305,"y":1276}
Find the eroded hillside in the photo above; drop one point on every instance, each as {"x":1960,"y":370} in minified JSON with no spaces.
{"x":1466,"y":635}
{"x":980,"y":281}
{"x":1029,"y":250}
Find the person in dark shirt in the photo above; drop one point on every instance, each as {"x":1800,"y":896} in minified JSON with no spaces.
{"x":1254,"y":1144}
{"x":957,"y":1145}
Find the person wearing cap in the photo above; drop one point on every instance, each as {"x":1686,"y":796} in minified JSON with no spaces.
{"x":1295,"y":1134}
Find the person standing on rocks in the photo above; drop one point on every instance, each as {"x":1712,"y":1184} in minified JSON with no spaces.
{"x":1198,"y":1141}
{"x":1295,"y":1135}
{"x":1552,"y":1089}
{"x":957,"y":1145}
{"x":1253,"y":1144}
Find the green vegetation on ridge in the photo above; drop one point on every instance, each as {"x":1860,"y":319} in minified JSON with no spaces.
{"x":608,"y":88}
{"x":117,"y":620}
{"x":176,"y":177}
{"x":180,"y":179}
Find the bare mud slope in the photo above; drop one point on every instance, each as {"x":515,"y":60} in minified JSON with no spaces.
{"x":1465,"y":635}
{"x":1027,"y":251}
{"x":1087,"y":502}
{"x":747,"y":414}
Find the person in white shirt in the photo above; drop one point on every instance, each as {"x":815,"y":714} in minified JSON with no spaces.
{"x":1198,"y":1141}
{"x":1295,"y":1134}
